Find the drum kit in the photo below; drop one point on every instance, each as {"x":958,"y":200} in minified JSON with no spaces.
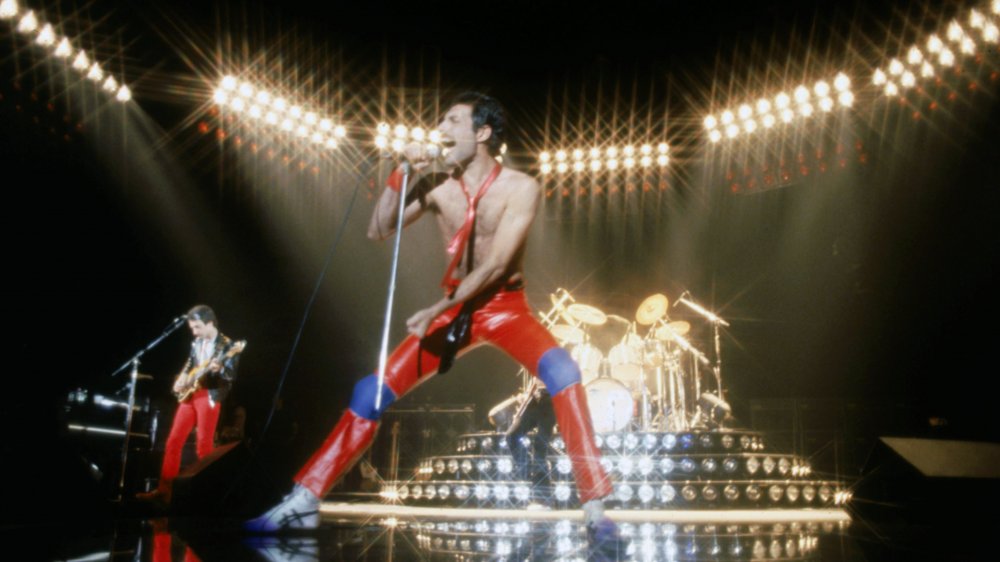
{"x":649,"y":379}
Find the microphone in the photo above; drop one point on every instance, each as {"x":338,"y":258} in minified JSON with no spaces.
{"x":697,"y":308}
{"x":180,"y":319}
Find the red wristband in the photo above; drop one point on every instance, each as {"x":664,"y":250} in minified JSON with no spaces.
{"x":395,"y":181}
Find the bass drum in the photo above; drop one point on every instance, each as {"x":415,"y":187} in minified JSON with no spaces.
{"x":589,"y":359}
{"x":610,"y":403}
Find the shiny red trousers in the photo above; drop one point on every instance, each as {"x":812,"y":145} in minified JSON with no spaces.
{"x":197,"y":413}
{"x":502,"y":319}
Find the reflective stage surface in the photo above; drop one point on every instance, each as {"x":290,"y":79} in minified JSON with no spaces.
{"x":535,"y":536}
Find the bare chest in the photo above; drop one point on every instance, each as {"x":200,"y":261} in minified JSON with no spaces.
{"x":453,"y":209}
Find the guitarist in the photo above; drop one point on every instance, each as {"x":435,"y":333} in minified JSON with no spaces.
{"x":211,"y":366}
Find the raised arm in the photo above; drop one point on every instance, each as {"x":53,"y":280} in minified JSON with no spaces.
{"x":386,"y":214}
{"x":512,"y":231}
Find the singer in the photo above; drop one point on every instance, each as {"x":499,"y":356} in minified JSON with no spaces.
{"x":203,"y":383}
{"x":484,"y":212}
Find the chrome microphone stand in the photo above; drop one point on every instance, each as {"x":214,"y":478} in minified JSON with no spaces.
{"x":134,"y":377}
{"x":384,"y":349}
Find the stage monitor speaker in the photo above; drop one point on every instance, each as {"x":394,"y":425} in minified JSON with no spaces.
{"x":922,"y":479}
{"x":211,"y":485}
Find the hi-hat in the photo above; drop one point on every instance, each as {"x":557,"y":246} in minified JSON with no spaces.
{"x":567,"y":334}
{"x":667,"y":332}
{"x":587,"y":314}
{"x":652,"y":309}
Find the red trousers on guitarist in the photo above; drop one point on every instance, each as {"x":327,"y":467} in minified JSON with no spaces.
{"x":200,"y":413}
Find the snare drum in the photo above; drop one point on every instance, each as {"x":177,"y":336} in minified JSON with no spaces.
{"x":589,"y":359}
{"x":610,"y":403}
{"x":626,"y":360}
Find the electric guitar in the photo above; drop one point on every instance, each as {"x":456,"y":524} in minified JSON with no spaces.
{"x":188,"y":381}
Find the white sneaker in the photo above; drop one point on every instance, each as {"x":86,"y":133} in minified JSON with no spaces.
{"x":298,"y":510}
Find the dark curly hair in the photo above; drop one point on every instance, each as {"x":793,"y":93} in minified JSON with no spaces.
{"x":486,"y":111}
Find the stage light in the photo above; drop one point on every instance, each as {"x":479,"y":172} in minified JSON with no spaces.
{"x":801,"y":94}
{"x":767,"y":121}
{"x":783,"y":465}
{"x":821,"y":89}
{"x":667,"y":493}
{"x":595,"y":165}
{"x":775,"y":492}
{"x":926,"y":70}
{"x":47,"y":36}
{"x":287,"y":126}
{"x":81,"y":62}
{"x":28,"y":23}
{"x":934,"y":44}
{"x":8,"y":9}
{"x":64,"y":49}
{"x":662,"y":160}
{"x":271,"y":118}
{"x":544,"y":157}
{"x":246,"y":90}
{"x":646,"y":150}
{"x":914,"y":56}
{"x":787,"y":115}
{"x":750,"y":126}
{"x":629,"y":151}
{"x":110,"y":85}
{"x":625,"y":466}
{"x":466,"y":466}
{"x":545,"y":168}
{"x":689,"y":493}
{"x":667,"y":465}
{"x":562,"y":492}
{"x":219,"y":97}
{"x":744,"y":112}
{"x":710,"y":123}
{"x":731,"y":492}
{"x":710,"y":493}
{"x":688,"y":465}
{"x":417,"y":492}
{"x":628,"y":162}
{"x":562,"y":167}
{"x":792,"y":493}
{"x":560,"y":155}
{"x":727,"y":117}
{"x":782,"y":100}
{"x":991,"y":34}
{"x":967,"y":46}
{"x":238,"y":104}
{"x":732,"y":130}
{"x":263,"y":98}
{"x":482,"y":492}
{"x":505,"y":465}
{"x":946,"y":57}
{"x":612,"y":164}
{"x":612,"y":152}
{"x":709,"y":465}
{"x":95,"y":73}
{"x":228,"y":83}
{"x":714,"y":136}
{"x":577,"y":155}
{"x":578,"y":166}
{"x":623,"y":492}
{"x":995,"y":7}
{"x":955,"y":32}
{"x":808,"y":492}
{"x":891,"y":89}
{"x":846,"y":99}
{"x":400,"y":131}
{"x":280,"y":105}
{"x":753,"y":463}
{"x":806,"y":109}
{"x":439,"y":466}
{"x":124,"y":94}
{"x":309,"y":118}
{"x":430,"y":491}
{"x":501,"y":492}
{"x":662,"y":148}
{"x":669,"y":442}
{"x":907,"y":80}
{"x":763,"y":107}
{"x":895,"y":67}
{"x":879,"y":78}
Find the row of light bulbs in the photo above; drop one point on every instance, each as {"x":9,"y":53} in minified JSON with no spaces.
{"x":766,"y":113}
{"x":611,"y":158}
{"x":275,"y":110}
{"x":45,"y":36}
{"x":903,"y":75}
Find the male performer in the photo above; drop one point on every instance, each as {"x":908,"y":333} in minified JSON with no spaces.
{"x":214,"y":356}
{"x":483,"y":210}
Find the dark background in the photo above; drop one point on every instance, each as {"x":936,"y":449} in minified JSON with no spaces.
{"x":861,"y":297}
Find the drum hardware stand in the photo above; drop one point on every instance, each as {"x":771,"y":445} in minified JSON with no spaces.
{"x":134,"y":377}
{"x":716,"y":321}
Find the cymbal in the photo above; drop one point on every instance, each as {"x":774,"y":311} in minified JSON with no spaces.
{"x":652,"y":309}
{"x":587,"y":314}
{"x":567,"y":334}
{"x":667,"y":332}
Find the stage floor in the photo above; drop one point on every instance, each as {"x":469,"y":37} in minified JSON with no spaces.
{"x":353,"y":531}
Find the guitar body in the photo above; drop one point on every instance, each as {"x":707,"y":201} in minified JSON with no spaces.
{"x":188,"y":382}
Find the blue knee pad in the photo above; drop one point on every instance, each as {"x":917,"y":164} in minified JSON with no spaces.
{"x":363,"y":399}
{"x":557,"y":370}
